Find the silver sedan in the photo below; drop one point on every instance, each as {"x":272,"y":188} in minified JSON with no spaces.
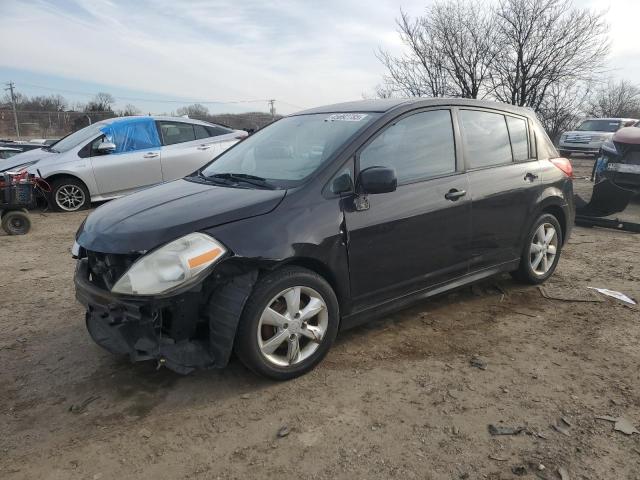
{"x":114,"y":157}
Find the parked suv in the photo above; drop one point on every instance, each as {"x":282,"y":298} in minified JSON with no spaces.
{"x":115,"y":157}
{"x":319,"y":222}
{"x":589,"y":136}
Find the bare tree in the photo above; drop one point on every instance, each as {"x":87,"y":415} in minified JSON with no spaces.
{"x":541,"y":43}
{"x":195,"y":110}
{"x":621,"y":99}
{"x":102,"y":102}
{"x":129,"y":110}
{"x":562,"y":107}
{"x":448,"y":52}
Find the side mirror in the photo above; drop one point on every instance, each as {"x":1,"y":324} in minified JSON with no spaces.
{"x":342,"y":184}
{"x":106,"y":147}
{"x":377,"y":180}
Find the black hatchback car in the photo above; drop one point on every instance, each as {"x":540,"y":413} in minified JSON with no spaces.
{"x":321,"y":221}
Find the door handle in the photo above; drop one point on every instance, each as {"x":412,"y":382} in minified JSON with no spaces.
{"x":530,"y":177}
{"x":203,"y":147}
{"x":150,"y":155}
{"x":454,"y":194}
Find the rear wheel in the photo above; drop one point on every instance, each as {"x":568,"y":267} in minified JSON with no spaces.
{"x":69,"y":194}
{"x":541,"y":252}
{"x":16,"y":222}
{"x":288,"y":325}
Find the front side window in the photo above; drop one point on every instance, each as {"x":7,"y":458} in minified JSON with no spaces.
{"x":132,"y":135}
{"x":419,"y":146}
{"x":485,"y":138}
{"x":176,"y":132}
{"x":289,"y":150}
{"x":519,"y":138}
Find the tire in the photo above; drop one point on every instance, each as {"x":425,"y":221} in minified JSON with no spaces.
{"x":268,"y":322}
{"x":16,"y":222}
{"x":69,"y":194}
{"x":529,"y":271}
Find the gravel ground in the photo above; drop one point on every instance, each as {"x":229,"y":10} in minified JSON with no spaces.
{"x":398,"y":398}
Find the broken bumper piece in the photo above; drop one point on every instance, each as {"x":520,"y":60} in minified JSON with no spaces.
{"x":161,"y":329}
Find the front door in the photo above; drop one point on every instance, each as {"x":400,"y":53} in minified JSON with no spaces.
{"x":136,"y":161}
{"x":504,"y":181}
{"x":417,"y":236}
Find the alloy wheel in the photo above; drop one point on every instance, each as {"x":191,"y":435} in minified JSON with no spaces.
{"x":70,"y":197}
{"x":544,"y":247}
{"x":292,"y":326}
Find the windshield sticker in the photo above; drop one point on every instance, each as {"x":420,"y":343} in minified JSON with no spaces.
{"x":346,"y":117}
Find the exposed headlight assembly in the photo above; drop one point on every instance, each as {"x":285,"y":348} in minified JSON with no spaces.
{"x":177,"y":264}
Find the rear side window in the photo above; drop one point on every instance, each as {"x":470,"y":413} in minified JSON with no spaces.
{"x":417,"y":147}
{"x":519,"y":139}
{"x":176,"y":132}
{"x":201,"y":132}
{"x":216,"y":130}
{"x":485,"y":138}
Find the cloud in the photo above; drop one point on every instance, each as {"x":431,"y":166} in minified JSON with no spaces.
{"x":302,"y":53}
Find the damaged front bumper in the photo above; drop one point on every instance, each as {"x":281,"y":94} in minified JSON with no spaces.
{"x":184,"y":332}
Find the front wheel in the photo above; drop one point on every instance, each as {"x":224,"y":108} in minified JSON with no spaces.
{"x":541,"y":251}
{"x":69,"y":194}
{"x":288,"y":325}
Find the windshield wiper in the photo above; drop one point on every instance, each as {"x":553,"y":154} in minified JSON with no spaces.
{"x":244,"y":178}
{"x":50,"y":149}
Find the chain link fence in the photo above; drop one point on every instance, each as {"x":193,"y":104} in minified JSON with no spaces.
{"x":36,"y":124}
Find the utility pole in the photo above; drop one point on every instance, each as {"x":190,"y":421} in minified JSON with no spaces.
{"x":272,"y":108}
{"x":10,"y":86}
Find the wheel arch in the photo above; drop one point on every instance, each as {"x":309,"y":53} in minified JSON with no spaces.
{"x":62,"y":175}
{"x":321,"y":269}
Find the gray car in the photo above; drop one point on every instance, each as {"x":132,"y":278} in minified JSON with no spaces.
{"x":589,"y":136}
{"x":114,"y":157}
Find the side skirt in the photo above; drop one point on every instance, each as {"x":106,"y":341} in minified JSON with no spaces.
{"x":381,"y":309}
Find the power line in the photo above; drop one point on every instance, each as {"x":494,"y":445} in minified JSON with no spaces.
{"x":141,"y":99}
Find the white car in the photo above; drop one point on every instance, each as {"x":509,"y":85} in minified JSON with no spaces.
{"x":115,"y":157}
{"x":588,"y":137}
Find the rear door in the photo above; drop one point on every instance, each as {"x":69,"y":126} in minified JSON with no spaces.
{"x":136,"y":161}
{"x":504,"y":183}
{"x":189,"y":146}
{"x":414,"y":237}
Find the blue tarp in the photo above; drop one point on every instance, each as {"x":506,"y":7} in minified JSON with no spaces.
{"x":132,"y":134}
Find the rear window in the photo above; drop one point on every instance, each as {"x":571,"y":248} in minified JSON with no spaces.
{"x":485,"y":138}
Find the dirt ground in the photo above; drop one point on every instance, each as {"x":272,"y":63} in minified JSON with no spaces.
{"x":398,"y":398}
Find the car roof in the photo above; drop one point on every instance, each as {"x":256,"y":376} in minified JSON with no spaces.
{"x":382,"y":105}
{"x":109,"y":121}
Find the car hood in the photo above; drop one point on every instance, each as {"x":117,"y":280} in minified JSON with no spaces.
{"x":590,"y":133}
{"x":628,"y":135}
{"x":157,"y":215}
{"x":25,"y":157}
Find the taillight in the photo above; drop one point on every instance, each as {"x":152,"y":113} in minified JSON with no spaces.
{"x":564,"y":165}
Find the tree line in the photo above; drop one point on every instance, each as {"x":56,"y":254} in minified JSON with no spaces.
{"x":546,"y":55}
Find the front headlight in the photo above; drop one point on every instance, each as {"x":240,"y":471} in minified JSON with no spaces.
{"x":22,"y":167}
{"x":176,"y":264}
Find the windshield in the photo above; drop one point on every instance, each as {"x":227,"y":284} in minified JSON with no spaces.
{"x":289,"y":150}
{"x":599,"y":126}
{"x":76,"y":138}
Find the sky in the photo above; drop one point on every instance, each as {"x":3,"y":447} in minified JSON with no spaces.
{"x":235,"y":55}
